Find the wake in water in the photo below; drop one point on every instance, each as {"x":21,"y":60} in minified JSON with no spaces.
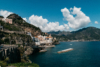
{"x":70,"y":44}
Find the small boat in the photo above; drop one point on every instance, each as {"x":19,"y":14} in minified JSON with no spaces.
{"x":66,"y":50}
{"x":70,"y":44}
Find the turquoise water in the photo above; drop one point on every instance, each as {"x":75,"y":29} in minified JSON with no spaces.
{"x":85,"y":54}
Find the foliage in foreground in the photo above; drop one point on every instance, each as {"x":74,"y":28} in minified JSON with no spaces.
{"x":24,"y":64}
{"x":3,"y":64}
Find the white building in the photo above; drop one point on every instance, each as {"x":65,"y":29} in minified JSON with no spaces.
{"x":45,"y":39}
{"x":41,"y":40}
{"x":36,"y":40}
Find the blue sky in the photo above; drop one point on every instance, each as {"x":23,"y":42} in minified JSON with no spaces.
{"x":51,"y":10}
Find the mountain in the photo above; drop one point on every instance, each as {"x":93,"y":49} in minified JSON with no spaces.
{"x":16,"y":32}
{"x":14,"y":16}
{"x":63,"y":33}
{"x":22,"y":25}
{"x":1,"y":17}
{"x":89,"y":33}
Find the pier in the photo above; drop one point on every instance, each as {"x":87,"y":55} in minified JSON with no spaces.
{"x":47,"y":46}
{"x":66,"y":50}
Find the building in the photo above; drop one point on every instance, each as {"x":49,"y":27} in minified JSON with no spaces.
{"x":1,"y":28}
{"x":6,"y":20}
{"x":45,"y":40}
{"x":37,"y":41}
{"x":49,"y":39}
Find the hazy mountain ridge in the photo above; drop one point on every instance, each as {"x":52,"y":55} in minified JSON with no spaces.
{"x":59,"y":33}
{"x":89,"y":33}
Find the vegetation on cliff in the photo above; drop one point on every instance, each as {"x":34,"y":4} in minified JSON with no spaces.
{"x":4,"y":62}
{"x":19,"y":22}
{"x":1,"y":17}
{"x":19,"y":27}
{"x":6,"y":38}
{"x":18,"y":32}
{"x":10,"y":27}
{"x":24,"y":65}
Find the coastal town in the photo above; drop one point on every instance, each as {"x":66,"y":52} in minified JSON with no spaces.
{"x":49,"y":33}
{"x":39,"y":39}
{"x":18,"y":35}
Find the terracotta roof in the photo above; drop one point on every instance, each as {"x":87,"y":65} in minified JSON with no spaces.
{"x":48,"y":37}
{"x":36,"y":36}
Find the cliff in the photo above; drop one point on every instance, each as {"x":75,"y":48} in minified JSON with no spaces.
{"x":23,"y":25}
{"x":15,"y":33}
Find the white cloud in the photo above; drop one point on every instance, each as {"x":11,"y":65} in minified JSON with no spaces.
{"x":5,"y":13}
{"x":46,"y":26}
{"x":96,"y":22}
{"x":79,"y":21}
{"x":38,"y":21}
{"x":25,"y":19}
{"x":66,"y":26}
{"x":71,"y":8}
{"x":53,"y":26}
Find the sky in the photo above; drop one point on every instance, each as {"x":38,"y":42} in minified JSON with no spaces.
{"x":55,"y":15}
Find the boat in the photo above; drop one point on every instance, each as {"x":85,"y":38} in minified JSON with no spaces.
{"x":70,"y":44}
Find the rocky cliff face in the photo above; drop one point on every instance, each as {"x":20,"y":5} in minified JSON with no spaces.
{"x":14,"y":56}
{"x":29,"y":50}
{"x":15,"y":33}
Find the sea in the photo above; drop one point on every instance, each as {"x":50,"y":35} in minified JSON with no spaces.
{"x":85,"y":54}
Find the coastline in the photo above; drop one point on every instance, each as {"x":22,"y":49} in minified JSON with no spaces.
{"x":79,"y":41}
{"x":80,"y":50}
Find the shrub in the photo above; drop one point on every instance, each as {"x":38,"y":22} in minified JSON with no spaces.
{"x":24,"y":64}
{"x":3,"y":64}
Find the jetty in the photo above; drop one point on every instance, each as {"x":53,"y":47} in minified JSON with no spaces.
{"x":66,"y":50}
{"x":47,"y":46}
{"x":43,"y":50}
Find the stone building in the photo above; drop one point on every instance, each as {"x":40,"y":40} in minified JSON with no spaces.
{"x":46,"y":40}
{"x":7,"y":20}
{"x":1,"y":28}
